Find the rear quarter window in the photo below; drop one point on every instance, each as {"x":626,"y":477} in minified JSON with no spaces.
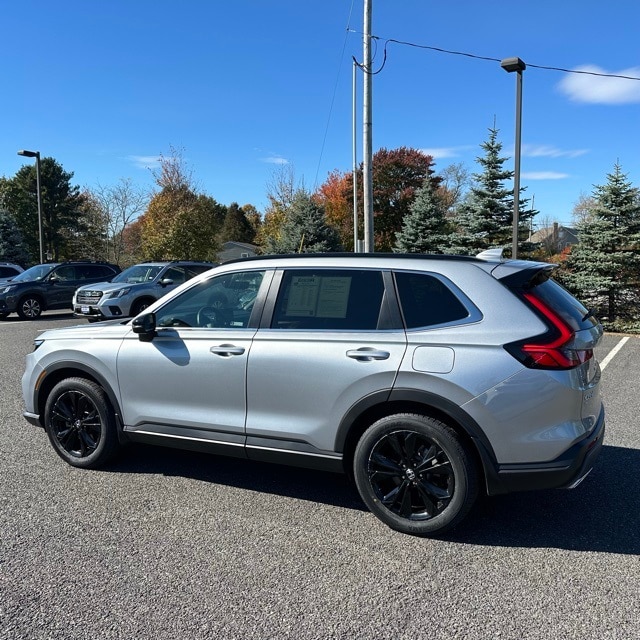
{"x":427,"y":301}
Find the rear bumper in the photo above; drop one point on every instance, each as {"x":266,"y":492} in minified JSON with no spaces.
{"x":567,"y":471}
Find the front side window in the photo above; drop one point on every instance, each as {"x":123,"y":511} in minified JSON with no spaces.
{"x":224,"y":301}
{"x":329,"y":299}
{"x":426,"y":301}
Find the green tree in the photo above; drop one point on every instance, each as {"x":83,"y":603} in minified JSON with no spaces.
{"x":425,"y":229}
{"x":236,"y":227}
{"x":179,"y":223}
{"x":61,"y":207}
{"x":485,"y":217}
{"x":13,"y":248}
{"x":603,"y":269}
{"x":305,"y":229}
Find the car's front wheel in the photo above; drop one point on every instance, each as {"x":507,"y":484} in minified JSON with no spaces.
{"x":29,"y":307}
{"x":80,"y":423}
{"x":414,"y":473}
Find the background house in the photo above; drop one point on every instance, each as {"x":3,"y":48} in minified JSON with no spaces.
{"x":234,"y":250}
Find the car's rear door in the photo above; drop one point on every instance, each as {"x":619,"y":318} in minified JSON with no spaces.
{"x":326,"y":343}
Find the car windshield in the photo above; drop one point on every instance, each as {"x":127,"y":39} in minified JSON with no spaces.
{"x":139,"y":273}
{"x":34,"y":273}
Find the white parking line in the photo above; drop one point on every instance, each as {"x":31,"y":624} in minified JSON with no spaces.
{"x":613,"y":352}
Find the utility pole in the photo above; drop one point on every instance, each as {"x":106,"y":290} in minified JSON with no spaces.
{"x":367,"y":140}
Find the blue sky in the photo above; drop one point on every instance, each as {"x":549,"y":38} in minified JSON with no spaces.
{"x":244,"y":87}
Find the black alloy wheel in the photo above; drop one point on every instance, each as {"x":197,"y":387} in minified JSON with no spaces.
{"x":414,"y":474}
{"x":29,"y":308}
{"x":80,"y":423}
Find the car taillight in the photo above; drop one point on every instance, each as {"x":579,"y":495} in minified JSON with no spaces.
{"x":550,"y":350}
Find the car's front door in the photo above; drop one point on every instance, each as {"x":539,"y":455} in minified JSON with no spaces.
{"x":332,"y":341}
{"x":189,"y":381}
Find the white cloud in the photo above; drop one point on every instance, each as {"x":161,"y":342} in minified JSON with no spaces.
{"x":601,"y":90}
{"x":544,"y":175}
{"x":275,"y":160}
{"x":546,"y":151}
{"x":145,"y":162}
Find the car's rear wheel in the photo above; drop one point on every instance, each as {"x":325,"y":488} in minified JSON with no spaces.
{"x":415,"y":474}
{"x":80,"y":423}
{"x":29,"y":307}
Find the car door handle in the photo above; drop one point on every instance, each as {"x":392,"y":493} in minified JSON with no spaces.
{"x":367,"y":354}
{"x":227,"y":350}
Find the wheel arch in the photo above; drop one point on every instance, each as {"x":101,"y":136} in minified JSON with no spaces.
{"x":372,"y":408}
{"x":42,"y":299}
{"x":62,"y":371}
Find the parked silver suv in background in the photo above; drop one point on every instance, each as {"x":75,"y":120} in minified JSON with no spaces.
{"x":427,"y":378}
{"x":134,"y":289}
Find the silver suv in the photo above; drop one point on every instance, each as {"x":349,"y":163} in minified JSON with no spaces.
{"x":134,"y":289}
{"x":427,"y":378}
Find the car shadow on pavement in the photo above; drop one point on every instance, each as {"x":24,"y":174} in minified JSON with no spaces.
{"x":301,"y":484}
{"x":601,"y":515}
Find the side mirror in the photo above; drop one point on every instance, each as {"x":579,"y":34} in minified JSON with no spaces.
{"x":145,"y":327}
{"x":166,"y":281}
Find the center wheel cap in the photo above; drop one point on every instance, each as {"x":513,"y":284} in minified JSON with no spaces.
{"x":411,"y":474}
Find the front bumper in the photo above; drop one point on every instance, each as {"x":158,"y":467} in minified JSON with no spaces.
{"x":566,"y":471}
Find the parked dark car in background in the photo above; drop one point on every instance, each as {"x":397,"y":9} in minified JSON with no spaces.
{"x":9,"y":271}
{"x":50,"y":286}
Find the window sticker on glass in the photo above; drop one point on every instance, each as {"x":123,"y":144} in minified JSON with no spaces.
{"x":315,"y":296}
{"x":303,"y":296}
{"x":333,"y":298}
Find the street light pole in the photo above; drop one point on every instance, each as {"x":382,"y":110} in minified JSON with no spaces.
{"x":36,"y":155}
{"x":510,"y":65}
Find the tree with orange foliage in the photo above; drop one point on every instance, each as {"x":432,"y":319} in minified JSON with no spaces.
{"x":397,"y":175}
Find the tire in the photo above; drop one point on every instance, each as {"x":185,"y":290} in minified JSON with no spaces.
{"x":415,"y":475}
{"x":139,"y":306}
{"x":80,"y":423}
{"x":3,"y":316}
{"x":29,"y":307}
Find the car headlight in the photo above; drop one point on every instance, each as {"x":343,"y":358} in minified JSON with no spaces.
{"x":37,"y":343}
{"x":119,"y":293}
{"x":9,"y":288}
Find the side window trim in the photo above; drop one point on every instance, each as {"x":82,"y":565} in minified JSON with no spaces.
{"x":388,"y":313}
{"x":474,"y":314}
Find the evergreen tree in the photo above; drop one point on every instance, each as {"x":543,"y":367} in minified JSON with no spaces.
{"x":305,"y":229}
{"x":485,"y":218}
{"x":603,"y":269}
{"x":61,"y":207}
{"x":425,"y":229}
{"x":236,"y":227}
{"x":13,"y":248}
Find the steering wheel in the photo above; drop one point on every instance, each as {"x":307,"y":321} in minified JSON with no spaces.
{"x":210,"y":317}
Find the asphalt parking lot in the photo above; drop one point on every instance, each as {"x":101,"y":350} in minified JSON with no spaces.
{"x":175,"y":545}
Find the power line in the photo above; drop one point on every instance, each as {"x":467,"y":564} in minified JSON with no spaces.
{"x":487,"y":58}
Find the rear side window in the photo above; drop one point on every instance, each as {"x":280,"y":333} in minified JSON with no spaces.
{"x":329,"y":299}
{"x":571,"y":310}
{"x":426,"y":301}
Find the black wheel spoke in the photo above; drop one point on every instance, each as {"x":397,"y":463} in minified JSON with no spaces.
{"x":411,"y":475}
{"x":381,"y":464}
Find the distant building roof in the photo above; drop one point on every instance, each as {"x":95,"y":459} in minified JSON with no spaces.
{"x":558,"y":235}
{"x":232,"y":250}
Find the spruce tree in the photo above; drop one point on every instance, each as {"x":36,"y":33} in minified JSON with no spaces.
{"x":305,"y":229}
{"x":603,"y":269}
{"x":13,"y":248}
{"x":425,"y":229}
{"x":485,"y":218}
